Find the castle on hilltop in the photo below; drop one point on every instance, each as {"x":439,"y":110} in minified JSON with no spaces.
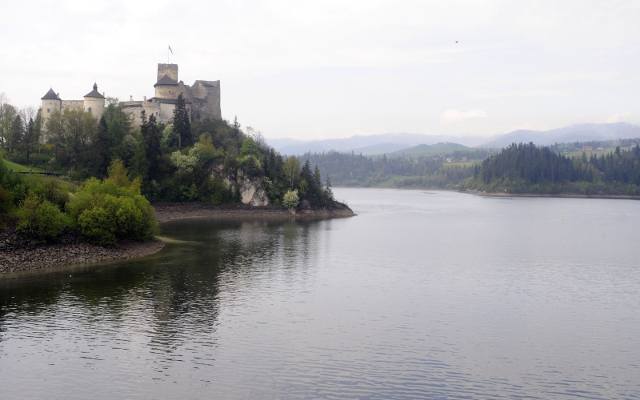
{"x":202,"y":99}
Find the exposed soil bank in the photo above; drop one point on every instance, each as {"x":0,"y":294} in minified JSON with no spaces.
{"x":558,"y":195}
{"x":18,"y":257}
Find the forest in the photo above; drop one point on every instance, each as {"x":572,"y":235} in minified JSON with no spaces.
{"x":446,"y":170}
{"x":123,"y":166}
{"x":526,"y":168}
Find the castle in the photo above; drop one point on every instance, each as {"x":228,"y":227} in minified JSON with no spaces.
{"x":202,"y":99}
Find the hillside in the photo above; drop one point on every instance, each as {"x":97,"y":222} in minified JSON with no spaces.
{"x":568,"y":134}
{"x":429,"y":150}
{"x":529,"y":169}
{"x":368,"y":144}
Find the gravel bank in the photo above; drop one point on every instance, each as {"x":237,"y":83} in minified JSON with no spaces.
{"x":166,"y":212}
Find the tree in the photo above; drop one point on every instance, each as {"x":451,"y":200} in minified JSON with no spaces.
{"x":31,"y":138}
{"x":182,"y":123}
{"x":16,"y":135}
{"x":291,"y":199}
{"x":71,"y":134}
{"x":102,"y":149}
{"x":291,"y":170}
{"x":118,"y":128}
{"x":7,"y":115}
{"x":151,"y":137}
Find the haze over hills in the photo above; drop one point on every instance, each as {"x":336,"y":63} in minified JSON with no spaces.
{"x":368,"y":144}
{"x":396,"y":142}
{"x":568,"y":134}
{"x":428,"y":150}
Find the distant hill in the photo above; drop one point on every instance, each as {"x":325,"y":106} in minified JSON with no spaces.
{"x":429,"y":150}
{"x":569,"y":134}
{"x":367,"y":144}
{"x":397,"y":142}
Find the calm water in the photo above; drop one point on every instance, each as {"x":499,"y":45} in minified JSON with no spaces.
{"x":423,"y":295}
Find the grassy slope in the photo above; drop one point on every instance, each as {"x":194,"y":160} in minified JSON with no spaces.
{"x":15,"y":167}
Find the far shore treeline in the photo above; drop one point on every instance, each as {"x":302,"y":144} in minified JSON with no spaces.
{"x":114,"y":167}
{"x":571,"y":168}
{"x":526,"y":168}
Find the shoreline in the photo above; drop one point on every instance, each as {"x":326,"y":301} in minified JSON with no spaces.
{"x":56,"y":257}
{"x":553,"y":195}
{"x":38,"y":259}
{"x":168,"y":212}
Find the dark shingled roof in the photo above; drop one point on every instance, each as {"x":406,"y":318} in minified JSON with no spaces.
{"x":170,"y":101}
{"x":50,"y":95}
{"x":165,"y":80}
{"x":94,"y":93}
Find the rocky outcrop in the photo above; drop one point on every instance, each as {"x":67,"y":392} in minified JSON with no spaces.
{"x":252,"y":193}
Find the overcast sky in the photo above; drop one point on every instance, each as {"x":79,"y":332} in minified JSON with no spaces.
{"x":320,"y":69}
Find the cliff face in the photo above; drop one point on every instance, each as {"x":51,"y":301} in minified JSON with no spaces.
{"x":250,"y":190}
{"x":252,"y":193}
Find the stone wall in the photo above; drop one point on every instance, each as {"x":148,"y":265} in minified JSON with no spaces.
{"x":73,"y":105}
{"x":167,"y":91}
{"x":171,"y":70}
{"x":134,"y":110}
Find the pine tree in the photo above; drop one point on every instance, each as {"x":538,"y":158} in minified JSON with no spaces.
{"x":182,"y":123}
{"x":31,"y":139}
{"x":102,"y":149}
{"x":17,"y":134}
{"x":152,"y":148}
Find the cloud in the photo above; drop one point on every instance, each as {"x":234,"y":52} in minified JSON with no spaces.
{"x":452,"y":116}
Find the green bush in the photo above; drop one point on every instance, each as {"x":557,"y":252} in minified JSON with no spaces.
{"x":50,"y":189}
{"x":98,"y":226}
{"x":41,"y":219}
{"x":6,"y":201}
{"x":113,"y":209}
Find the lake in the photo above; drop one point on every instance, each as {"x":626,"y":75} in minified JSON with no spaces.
{"x":422,"y":295}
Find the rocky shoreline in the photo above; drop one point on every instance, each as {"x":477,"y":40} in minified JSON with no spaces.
{"x":166,"y":212}
{"x":51,"y":257}
{"x":19,"y":257}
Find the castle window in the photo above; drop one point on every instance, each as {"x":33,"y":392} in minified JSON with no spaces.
{"x":48,"y":111}
{"x":89,"y":109}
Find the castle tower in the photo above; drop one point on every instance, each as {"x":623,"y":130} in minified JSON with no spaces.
{"x":94,"y":102}
{"x":167,"y":84}
{"x":170,"y":70}
{"x":51,"y":103}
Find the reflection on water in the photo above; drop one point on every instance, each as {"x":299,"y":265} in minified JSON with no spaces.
{"x":423,"y":295}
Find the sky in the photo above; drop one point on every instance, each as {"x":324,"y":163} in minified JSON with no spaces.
{"x":335,"y":68}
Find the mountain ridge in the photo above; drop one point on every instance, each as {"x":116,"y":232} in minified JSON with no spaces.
{"x":388,"y":143}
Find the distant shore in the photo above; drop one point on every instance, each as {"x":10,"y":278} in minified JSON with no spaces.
{"x":18,"y":258}
{"x":553,"y":195}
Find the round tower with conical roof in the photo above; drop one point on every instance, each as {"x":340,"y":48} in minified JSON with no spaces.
{"x":94,"y":102}
{"x":51,"y":103}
